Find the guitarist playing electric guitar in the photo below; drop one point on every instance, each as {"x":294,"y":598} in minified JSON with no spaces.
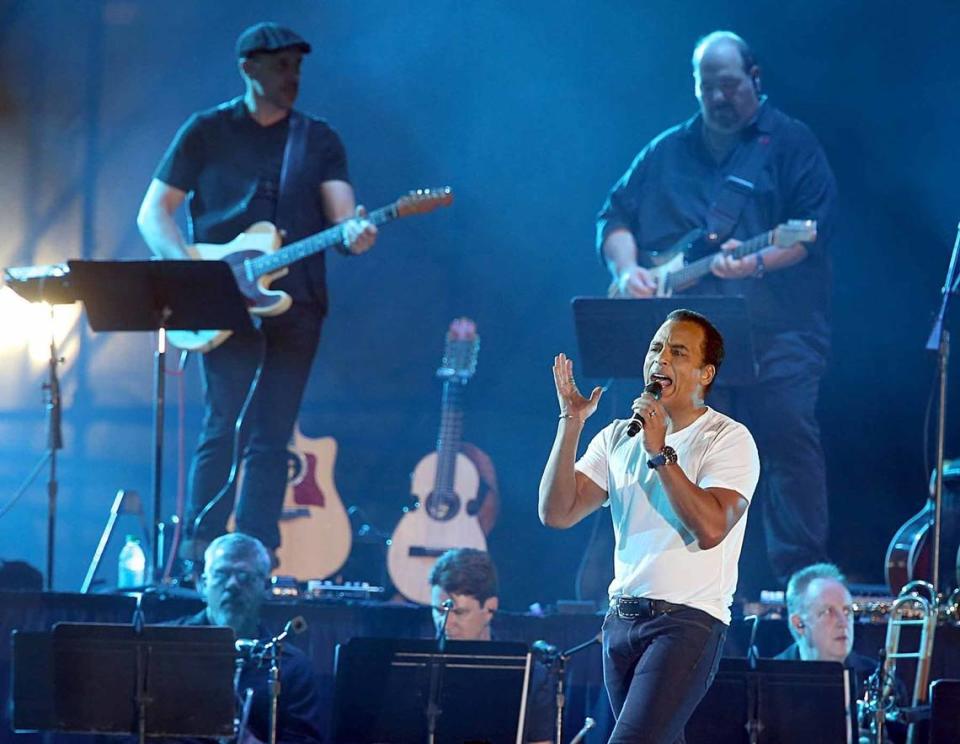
{"x":738,"y":172}
{"x":254,"y":159}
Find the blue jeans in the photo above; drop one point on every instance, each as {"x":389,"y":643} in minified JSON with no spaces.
{"x":656,"y":671}
{"x":283,"y":349}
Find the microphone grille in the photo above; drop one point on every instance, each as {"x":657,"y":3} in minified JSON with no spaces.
{"x":654,"y":388}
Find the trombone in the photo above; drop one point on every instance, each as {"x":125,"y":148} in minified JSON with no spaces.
{"x":918,"y":604}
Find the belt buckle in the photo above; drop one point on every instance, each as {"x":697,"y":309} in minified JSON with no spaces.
{"x":630,"y":608}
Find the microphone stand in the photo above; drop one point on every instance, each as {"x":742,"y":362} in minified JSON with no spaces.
{"x":54,"y":443}
{"x":558,"y":663}
{"x":939,"y":341}
{"x":754,"y":725}
{"x":436,"y":673}
{"x":271,"y":651}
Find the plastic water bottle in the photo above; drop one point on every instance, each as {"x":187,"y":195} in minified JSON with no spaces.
{"x":132,"y":566}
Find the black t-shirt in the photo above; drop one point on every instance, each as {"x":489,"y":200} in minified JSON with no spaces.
{"x":669,"y":187}
{"x":229,"y":165}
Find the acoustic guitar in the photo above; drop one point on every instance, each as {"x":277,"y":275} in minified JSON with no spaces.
{"x":445,"y":483}
{"x":315,"y":531}
{"x":673,"y":273}
{"x":256,"y":259}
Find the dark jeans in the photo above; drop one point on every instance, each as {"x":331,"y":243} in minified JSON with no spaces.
{"x":283,"y":350}
{"x":779,"y":410}
{"x":656,"y":671}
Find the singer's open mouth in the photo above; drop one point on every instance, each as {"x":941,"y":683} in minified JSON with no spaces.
{"x":662,"y":379}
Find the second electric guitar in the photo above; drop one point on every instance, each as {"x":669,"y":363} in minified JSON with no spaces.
{"x":672,"y":273}
{"x":445,"y":482}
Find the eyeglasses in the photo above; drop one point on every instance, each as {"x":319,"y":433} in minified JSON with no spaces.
{"x":845,"y":612}
{"x":220,"y":576}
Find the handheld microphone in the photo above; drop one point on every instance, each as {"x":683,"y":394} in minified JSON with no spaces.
{"x":654,"y":389}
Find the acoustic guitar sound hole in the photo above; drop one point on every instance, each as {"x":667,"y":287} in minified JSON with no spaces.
{"x":443,"y":505}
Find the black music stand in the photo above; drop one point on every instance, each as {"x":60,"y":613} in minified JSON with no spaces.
{"x":382,"y":691}
{"x":613,"y":334}
{"x":174,"y":681}
{"x":776,"y":702}
{"x":159,"y":296}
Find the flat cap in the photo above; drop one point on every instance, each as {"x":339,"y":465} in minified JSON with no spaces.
{"x":269,"y":37}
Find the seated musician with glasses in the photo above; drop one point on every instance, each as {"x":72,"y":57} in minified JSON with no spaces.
{"x":468,"y":579}
{"x":233,"y":585}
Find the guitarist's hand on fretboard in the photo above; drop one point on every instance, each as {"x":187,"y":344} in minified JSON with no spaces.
{"x":633,"y":282}
{"x":359,"y":233}
{"x":726,"y":266}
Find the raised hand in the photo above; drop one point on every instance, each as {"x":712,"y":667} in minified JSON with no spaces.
{"x":571,"y":401}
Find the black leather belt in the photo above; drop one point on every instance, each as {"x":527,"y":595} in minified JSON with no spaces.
{"x":631,"y":608}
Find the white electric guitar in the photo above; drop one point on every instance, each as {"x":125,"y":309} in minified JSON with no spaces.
{"x":256,"y":258}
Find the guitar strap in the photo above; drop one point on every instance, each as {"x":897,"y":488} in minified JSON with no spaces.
{"x":294,"y":153}
{"x":735,"y":190}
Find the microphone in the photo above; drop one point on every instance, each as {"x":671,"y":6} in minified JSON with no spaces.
{"x":636,"y":423}
{"x":445,"y":606}
{"x":544,"y":650}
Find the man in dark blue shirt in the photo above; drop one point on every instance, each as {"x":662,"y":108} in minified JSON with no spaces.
{"x":233,"y":585}
{"x":688,"y":178}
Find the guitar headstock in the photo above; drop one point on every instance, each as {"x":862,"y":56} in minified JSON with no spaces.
{"x":460,"y":351}
{"x":422,"y":201}
{"x":794,"y":231}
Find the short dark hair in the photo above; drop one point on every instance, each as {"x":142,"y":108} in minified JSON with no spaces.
{"x":746,"y":53}
{"x":466,"y":571}
{"x":713,"y":351}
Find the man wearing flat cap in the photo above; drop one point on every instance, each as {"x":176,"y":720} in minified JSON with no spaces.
{"x":254,"y":158}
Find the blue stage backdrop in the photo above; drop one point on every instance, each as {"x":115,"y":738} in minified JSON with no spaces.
{"x":529,"y":111}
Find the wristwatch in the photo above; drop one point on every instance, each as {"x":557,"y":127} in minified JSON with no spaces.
{"x":761,"y":267}
{"x":665,"y":455}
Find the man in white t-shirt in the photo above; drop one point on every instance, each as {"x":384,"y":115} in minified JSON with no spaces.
{"x":678,"y":494}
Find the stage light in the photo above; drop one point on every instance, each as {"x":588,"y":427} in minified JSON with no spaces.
{"x":27,"y":325}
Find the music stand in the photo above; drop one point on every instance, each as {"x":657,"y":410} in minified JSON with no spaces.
{"x":172,"y":681}
{"x":159,"y":296}
{"x":613,"y":334}
{"x":777,"y":702}
{"x":382,"y":690}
